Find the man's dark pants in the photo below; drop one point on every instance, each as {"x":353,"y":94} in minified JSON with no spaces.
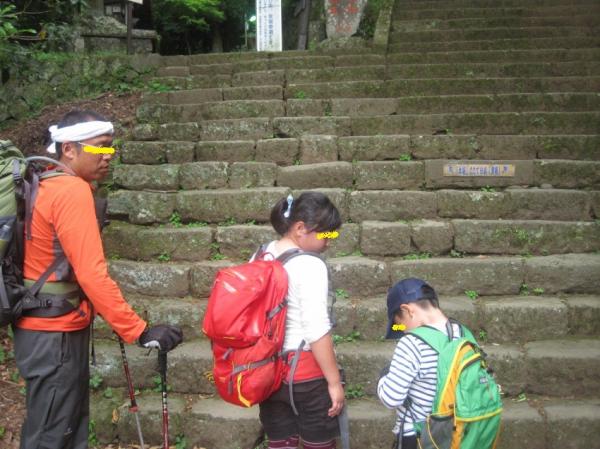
{"x":55,"y":366}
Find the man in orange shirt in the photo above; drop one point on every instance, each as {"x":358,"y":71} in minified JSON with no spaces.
{"x":51,"y":343}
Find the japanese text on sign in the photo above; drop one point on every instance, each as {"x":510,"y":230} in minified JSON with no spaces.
{"x":268,"y":25}
{"x":479,"y":170}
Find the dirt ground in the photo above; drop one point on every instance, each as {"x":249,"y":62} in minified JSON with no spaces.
{"x":31,"y":136}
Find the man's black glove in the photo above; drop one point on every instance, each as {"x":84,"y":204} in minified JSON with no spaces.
{"x":162,"y":336}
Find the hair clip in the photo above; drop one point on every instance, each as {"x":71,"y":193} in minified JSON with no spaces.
{"x":290,"y":200}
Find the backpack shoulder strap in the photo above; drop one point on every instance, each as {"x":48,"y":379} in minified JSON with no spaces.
{"x":431,"y":336}
{"x":288,"y":255}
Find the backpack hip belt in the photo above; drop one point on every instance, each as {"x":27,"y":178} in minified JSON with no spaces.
{"x":54,"y":299}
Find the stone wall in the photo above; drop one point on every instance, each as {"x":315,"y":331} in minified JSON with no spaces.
{"x":42,"y":79}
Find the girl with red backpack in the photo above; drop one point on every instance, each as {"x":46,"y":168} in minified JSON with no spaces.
{"x":309,"y":413}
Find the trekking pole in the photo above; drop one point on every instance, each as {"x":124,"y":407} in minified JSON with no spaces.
{"x":133,"y":408}
{"x":162,"y":367}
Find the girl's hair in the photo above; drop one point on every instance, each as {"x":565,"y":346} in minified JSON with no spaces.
{"x":313,"y":208}
{"x":74,"y":117}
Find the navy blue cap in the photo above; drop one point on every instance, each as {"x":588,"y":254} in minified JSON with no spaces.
{"x":404,"y":292}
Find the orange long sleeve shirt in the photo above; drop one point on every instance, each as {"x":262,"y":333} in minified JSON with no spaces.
{"x":64,"y":219}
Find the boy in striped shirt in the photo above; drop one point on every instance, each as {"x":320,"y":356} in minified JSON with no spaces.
{"x":409,"y":383}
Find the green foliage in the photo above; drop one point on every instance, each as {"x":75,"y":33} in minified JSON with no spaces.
{"x":92,"y":438}
{"x":216,"y":252}
{"x":405,"y":157}
{"x":197,"y":224}
{"x":341,"y":293}
{"x":538,"y":291}
{"x":2,"y":354}
{"x":9,"y":23}
{"x":229,"y":222}
{"x":108,"y":393}
{"x":524,"y":290}
{"x":368,"y":22}
{"x":175,"y":220}
{"x":300,"y":95}
{"x":158,"y":384}
{"x":417,"y":256}
{"x":488,"y":189}
{"x":472,"y":294}
{"x":355,"y":391}
{"x":95,"y":381}
{"x":184,"y":24}
{"x":456,"y":254}
{"x":164,"y":257}
{"x":180,"y":442}
{"x":521,"y":398}
{"x":2,"y":432}
{"x":483,"y":336}
{"x":350,"y":338}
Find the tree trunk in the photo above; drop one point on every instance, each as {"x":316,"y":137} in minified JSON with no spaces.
{"x":217,"y":41}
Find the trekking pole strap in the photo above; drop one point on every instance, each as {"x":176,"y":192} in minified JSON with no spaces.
{"x":293,"y":367}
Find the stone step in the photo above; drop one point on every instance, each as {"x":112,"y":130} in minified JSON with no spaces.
{"x":441,"y":86}
{"x":451,"y":11}
{"x":489,"y":34}
{"x":441,"y":4}
{"x":529,"y":316}
{"x":368,"y":175}
{"x":193,"y":96}
{"x":359,"y":107}
{"x":311,"y":148}
{"x":185,"y":67}
{"x":362,"y":276}
{"x":437,"y":69}
{"x":493,"y":70}
{"x":556,"y":367}
{"x":254,"y":204}
{"x":208,"y":422}
{"x":582,"y":20}
{"x":461,"y":123}
{"x":496,"y":56}
{"x":246,"y":85}
{"x":365,"y":107}
{"x":539,"y":123}
{"x":496,"y":44}
{"x":370,"y":238}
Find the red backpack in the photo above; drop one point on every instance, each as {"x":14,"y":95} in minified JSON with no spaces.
{"x":245,"y":320}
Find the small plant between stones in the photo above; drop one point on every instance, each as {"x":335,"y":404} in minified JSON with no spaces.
{"x":355,"y":391}
{"x":472,"y":294}
{"x":417,"y":256}
{"x":164,"y":257}
{"x":95,"y":381}
{"x":180,"y":442}
{"x":341,"y":293}
{"x":300,"y":95}
{"x":175,"y":220}
{"x":350,"y":338}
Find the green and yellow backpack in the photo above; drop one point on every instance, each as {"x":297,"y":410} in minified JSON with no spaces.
{"x":467,"y":406}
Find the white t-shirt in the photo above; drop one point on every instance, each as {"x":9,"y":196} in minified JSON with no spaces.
{"x":308,"y":286}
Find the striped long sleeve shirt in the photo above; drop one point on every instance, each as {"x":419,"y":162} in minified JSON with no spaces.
{"x":412,"y":374}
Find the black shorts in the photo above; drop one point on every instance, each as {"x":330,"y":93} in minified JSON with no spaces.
{"x":312,"y":423}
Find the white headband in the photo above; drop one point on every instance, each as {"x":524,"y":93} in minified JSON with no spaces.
{"x":76,"y":133}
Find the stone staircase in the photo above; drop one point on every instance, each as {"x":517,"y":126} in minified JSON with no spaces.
{"x":466,"y":87}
